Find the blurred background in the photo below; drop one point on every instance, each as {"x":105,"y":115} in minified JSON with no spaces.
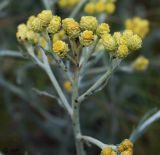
{"x":31,"y":124}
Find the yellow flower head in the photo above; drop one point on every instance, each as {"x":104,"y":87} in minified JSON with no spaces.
{"x":22,"y":33}
{"x":122,"y":51}
{"x":138,"y":25}
{"x":89,"y":8}
{"x":122,"y":40}
{"x":110,"y":8}
{"x":117,"y":36}
{"x":128,"y":33}
{"x":66,"y":22}
{"x":29,"y":22}
{"x":87,"y":38}
{"x":60,"y":48}
{"x":71,"y":27}
{"x":100,"y":7}
{"x":67,"y":86}
{"x":109,"y":43}
{"x":54,"y":24}
{"x":125,"y":145}
{"x":102,"y":29}
{"x":88,"y":23}
{"x":108,"y":151}
{"x":134,"y":42}
{"x":45,"y":16}
{"x":36,"y":25}
{"x":127,"y":152}
{"x":140,"y":64}
{"x":22,"y":27}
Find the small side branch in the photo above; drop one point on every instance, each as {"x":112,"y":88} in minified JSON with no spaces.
{"x":96,"y":142}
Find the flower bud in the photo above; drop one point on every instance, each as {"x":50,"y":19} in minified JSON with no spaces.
{"x":109,"y":42}
{"x":102,"y":29}
{"x":117,"y":36}
{"x":125,"y":145}
{"x":54,"y":25}
{"x":88,"y":23}
{"x":134,"y":42}
{"x":86,"y":38}
{"x":127,"y":152}
{"x":138,"y":25}
{"x":45,"y":16}
{"x":66,"y":22}
{"x":122,"y":51}
{"x":108,"y":151}
{"x":29,"y":22}
{"x":100,"y":7}
{"x":128,"y":33}
{"x":110,"y":8}
{"x":22,"y":33}
{"x":36,"y":25}
{"x":71,"y":27}
{"x":89,"y":8}
{"x":140,"y":64}
{"x":60,"y":48}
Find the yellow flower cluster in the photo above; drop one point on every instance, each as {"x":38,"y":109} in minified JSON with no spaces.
{"x":36,"y":26}
{"x":138,"y":25}
{"x":67,"y":3}
{"x":119,"y":44}
{"x":125,"y":148}
{"x":140,"y":64}
{"x":85,"y":32}
{"x":24,"y":34}
{"x":100,"y":6}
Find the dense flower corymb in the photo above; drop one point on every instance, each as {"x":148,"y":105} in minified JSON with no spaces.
{"x":84,"y":33}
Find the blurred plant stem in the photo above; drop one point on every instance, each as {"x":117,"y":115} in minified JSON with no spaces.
{"x":146,"y":121}
{"x":97,"y":142}
{"x":48,"y":4}
{"x":77,"y":8}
